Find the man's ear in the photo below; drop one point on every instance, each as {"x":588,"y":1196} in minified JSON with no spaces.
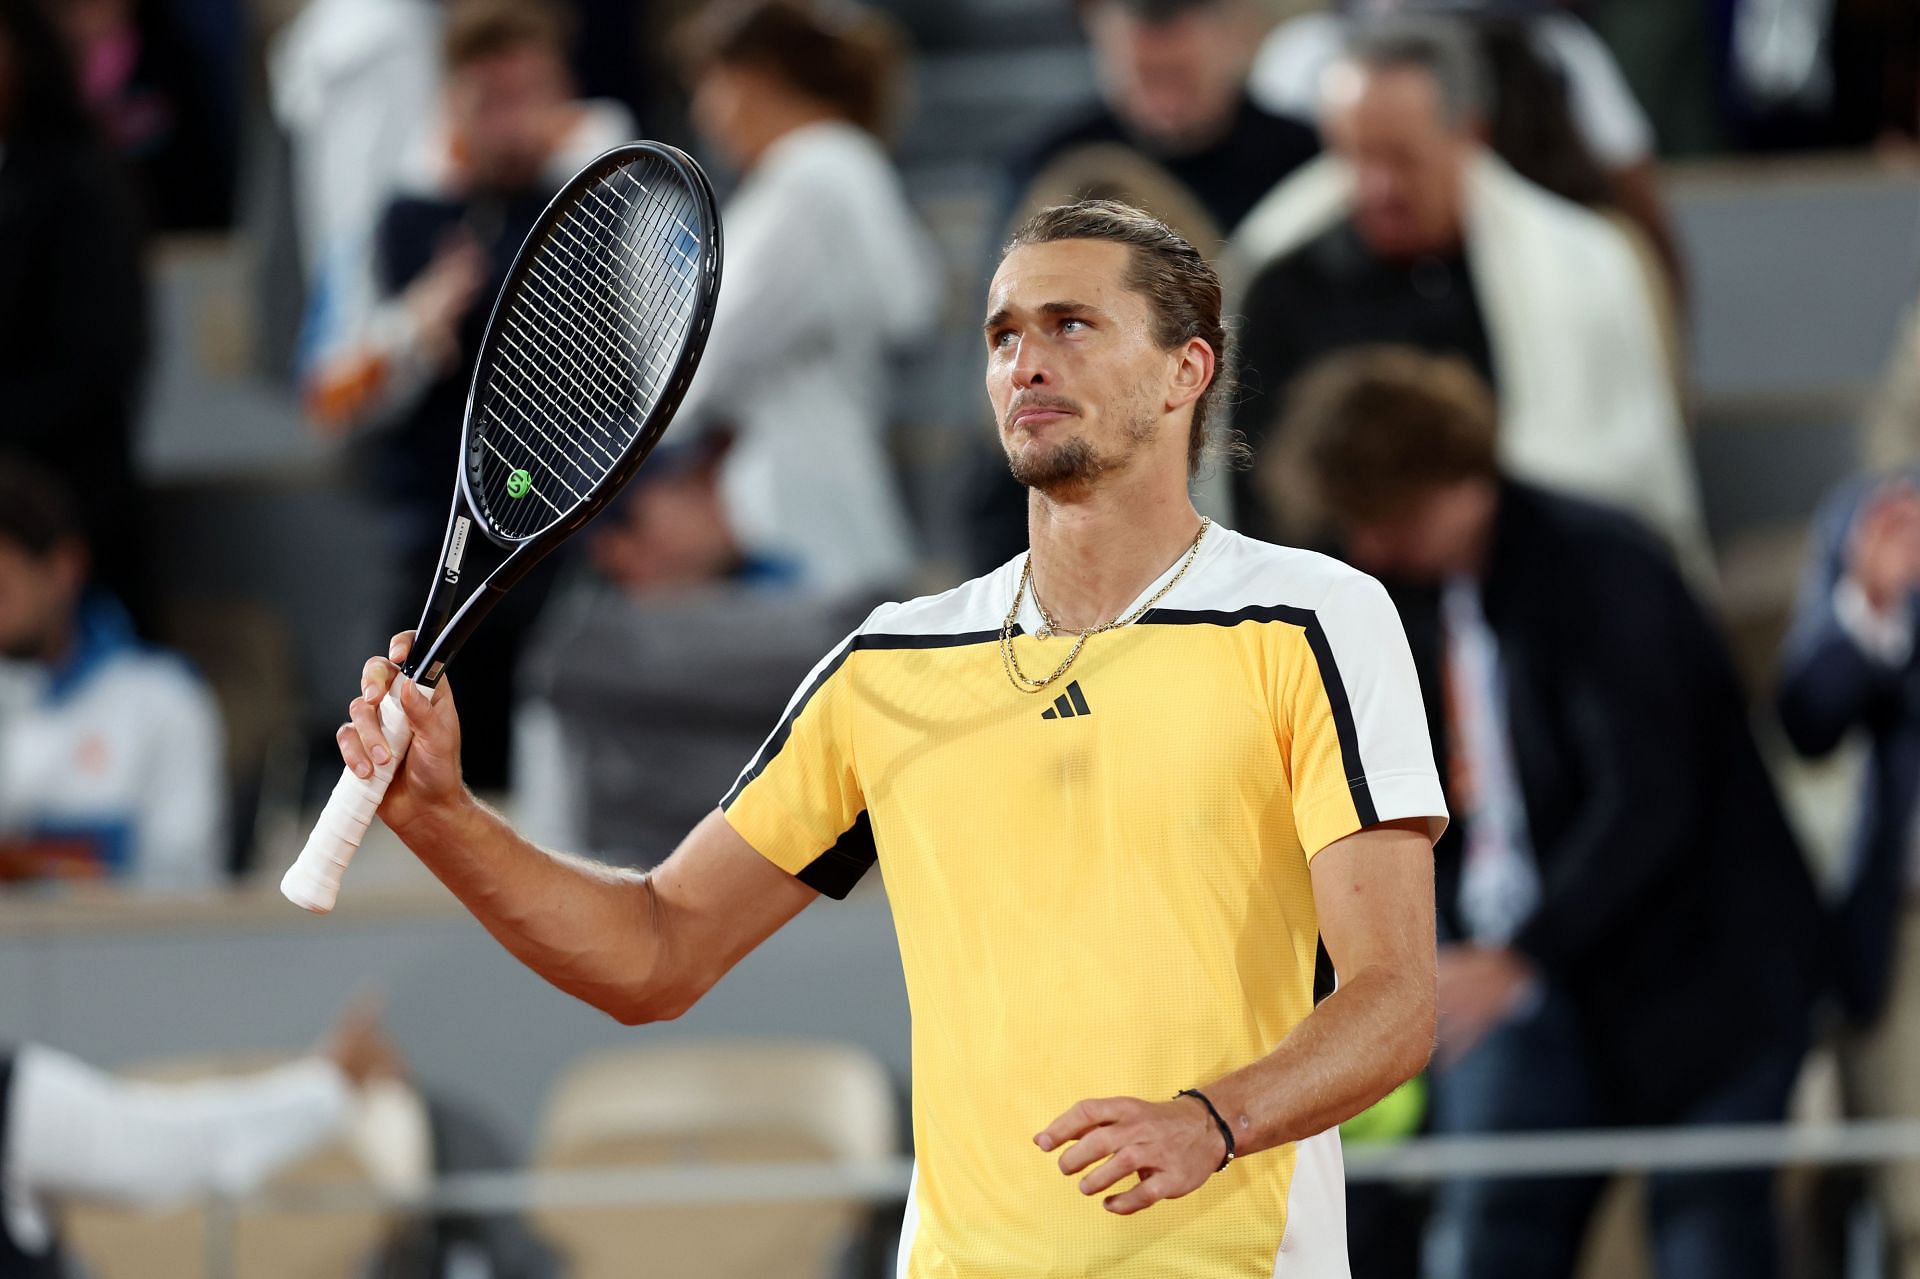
{"x":1193,"y":371}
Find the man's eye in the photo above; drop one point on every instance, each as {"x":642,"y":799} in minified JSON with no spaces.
{"x":1072,"y":325}
{"x":1002,"y":338}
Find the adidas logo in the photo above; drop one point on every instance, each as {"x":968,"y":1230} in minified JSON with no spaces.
{"x":1068,"y":704}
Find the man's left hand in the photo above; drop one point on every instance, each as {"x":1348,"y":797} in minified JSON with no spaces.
{"x":1173,"y":1146}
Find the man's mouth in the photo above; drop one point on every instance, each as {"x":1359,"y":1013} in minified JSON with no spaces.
{"x":1040,"y":415}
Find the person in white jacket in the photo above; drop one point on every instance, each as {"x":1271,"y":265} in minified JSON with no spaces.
{"x":1411,"y":231}
{"x":70,"y":1132}
{"x":828,"y":274}
{"x":112,"y":752}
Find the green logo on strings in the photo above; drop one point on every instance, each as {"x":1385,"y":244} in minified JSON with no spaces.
{"x":519,"y":484}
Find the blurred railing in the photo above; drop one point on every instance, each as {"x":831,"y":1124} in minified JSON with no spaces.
{"x":1862,"y":1143}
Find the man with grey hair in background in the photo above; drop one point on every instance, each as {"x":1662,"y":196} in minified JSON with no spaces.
{"x":1412,"y":231}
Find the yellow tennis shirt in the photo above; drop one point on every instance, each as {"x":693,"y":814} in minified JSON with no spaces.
{"x":1102,"y":889}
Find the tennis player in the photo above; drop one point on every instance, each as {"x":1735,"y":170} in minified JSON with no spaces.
{"x":1119,"y":788}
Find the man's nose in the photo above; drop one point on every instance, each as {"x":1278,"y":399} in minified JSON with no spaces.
{"x":1029,"y":368}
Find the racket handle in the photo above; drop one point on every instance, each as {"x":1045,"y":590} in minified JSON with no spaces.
{"x":313,"y":881}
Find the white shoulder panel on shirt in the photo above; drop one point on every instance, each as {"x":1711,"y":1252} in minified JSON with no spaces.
{"x":1232,"y":572}
{"x":979,"y":604}
{"x":1243,"y":572}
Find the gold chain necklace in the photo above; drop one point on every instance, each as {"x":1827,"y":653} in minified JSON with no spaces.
{"x":1008,"y":660}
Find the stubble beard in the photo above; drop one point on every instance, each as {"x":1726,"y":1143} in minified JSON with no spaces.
{"x":1073,"y":467}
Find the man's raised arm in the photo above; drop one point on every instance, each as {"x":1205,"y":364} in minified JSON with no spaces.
{"x":639,"y":946}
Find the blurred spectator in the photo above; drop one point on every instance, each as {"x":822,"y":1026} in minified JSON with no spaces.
{"x":72,"y":295}
{"x":157,"y":107}
{"x":355,"y":84}
{"x":1582,"y":79}
{"x":1533,"y":128}
{"x":828,"y":273}
{"x":69,"y":1132}
{"x":1172,"y":77}
{"x":1629,"y":933}
{"x":1822,"y":73}
{"x":1850,"y":666}
{"x":1413,"y":232}
{"x":111,"y":760}
{"x":514,"y":135}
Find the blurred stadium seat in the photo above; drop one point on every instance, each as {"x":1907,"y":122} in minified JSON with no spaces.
{"x":714,"y":1102}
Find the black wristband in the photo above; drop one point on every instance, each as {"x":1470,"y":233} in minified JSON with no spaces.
{"x":1226,"y":1132}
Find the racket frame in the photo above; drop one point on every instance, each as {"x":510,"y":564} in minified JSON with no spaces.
{"x":444,"y":625}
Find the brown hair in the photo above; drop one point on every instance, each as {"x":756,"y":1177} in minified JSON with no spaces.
{"x":1181,"y":289}
{"x":846,"y":57}
{"x":1375,"y":427}
{"x":480,"y":29}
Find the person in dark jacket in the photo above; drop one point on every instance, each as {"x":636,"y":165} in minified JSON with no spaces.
{"x":1849,"y":666}
{"x":73,"y":335}
{"x":1629,"y":934}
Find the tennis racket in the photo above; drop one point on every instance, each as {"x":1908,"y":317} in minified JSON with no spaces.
{"x":587,"y":354}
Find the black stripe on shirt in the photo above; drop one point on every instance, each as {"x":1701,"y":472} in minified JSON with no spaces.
{"x":839,"y":868}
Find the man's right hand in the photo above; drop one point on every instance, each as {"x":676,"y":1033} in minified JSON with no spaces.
{"x":429,"y":777}
{"x":1884,"y":554}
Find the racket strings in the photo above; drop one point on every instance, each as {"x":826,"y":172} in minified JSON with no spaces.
{"x":551,"y":380}
{"x":586,"y":348}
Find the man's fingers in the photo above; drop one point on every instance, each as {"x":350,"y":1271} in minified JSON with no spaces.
{"x":375,"y":674}
{"x":1076,"y":1122}
{"x":418,"y":706}
{"x":1125,"y":1162}
{"x":366,"y":722}
{"x":1089,"y":1150}
{"x":351,"y":751}
{"x":1149,"y":1192}
{"x":399,"y":646}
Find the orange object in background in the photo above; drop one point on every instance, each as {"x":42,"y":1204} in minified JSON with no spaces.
{"x":338,"y":393}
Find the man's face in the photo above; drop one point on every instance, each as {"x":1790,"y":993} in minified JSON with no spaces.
{"x":508,"y":112}
{"x":37,"y":597}
{"x":1408,"y":159}
{"x":1176,"y":83}
{"x":1078,"y":384}
{"x":1435,"y":535}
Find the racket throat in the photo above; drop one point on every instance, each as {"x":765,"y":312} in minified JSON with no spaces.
{"x":443,"y":637}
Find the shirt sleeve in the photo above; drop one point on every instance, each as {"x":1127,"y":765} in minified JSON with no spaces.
{"x":799,"y":803}
{"x":1357,"y":744}
{"x":75,"y":1130}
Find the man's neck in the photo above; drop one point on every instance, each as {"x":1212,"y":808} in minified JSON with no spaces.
{"x":1094,"y":552}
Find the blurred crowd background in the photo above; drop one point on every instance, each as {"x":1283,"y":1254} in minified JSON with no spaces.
{"x":1590,"y":326}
